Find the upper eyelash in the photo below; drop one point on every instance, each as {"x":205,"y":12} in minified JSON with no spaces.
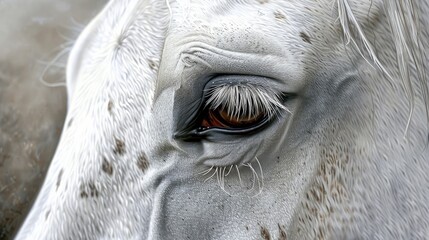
{"x":244,"y":99}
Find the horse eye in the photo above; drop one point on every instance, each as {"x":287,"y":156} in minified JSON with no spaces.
{"x":221,"y":118}
{"x":235,"y":107}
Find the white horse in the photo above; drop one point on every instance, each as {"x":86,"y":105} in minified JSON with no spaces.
{"x":243,"y":119}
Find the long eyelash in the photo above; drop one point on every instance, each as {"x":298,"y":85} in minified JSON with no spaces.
{"x":245,"y":100}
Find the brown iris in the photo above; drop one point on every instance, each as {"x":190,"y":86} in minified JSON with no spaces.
{"x":220,"y":118}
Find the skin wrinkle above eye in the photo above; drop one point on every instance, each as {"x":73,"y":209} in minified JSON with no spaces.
{"x":225,"y":61}
{"x":217,"y":60}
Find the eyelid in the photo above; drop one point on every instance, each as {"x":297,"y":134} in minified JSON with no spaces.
{"x":272,"y":91}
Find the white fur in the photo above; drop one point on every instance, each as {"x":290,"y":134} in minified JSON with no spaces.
{"x":338,"y":168}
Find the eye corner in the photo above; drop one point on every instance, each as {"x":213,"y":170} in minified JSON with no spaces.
{"x":188,"y":136}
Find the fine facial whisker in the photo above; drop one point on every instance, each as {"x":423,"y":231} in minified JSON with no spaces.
{"x":253,"y":176}
{"x":57,"y":65}
{"x":260,"y":180}
{"x":49,"y":65}
{"x":205,"y":172}
{"x":239,"y":176}
{"x":262,"y":173}
{"x":218,"y":172}
{"x":218,"y":176}
{"x":211,"y":175}
{"x":256,"y":177}
{"x":229,"y":171}
{"x":221,"y":179}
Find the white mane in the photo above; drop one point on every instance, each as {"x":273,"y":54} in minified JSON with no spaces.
{"x":403,"y":18}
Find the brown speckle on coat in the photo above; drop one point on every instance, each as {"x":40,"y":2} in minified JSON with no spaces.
{"x":282,"y":233}
{"x":153,"y":64}
{"x":142,"y":162}
{"x":305,"y":37}
{"x":279,"y":15}
{"x":83,"y":194}
{"x":265,"y":234}
{"x":107,"y":167}
{"x":119,"y":147}
{"x":110,"y":106}
{"x":93,"y":192}
{"x":88,"y":191}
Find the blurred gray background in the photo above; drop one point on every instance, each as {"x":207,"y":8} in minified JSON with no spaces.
{"x":32,"y":34}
